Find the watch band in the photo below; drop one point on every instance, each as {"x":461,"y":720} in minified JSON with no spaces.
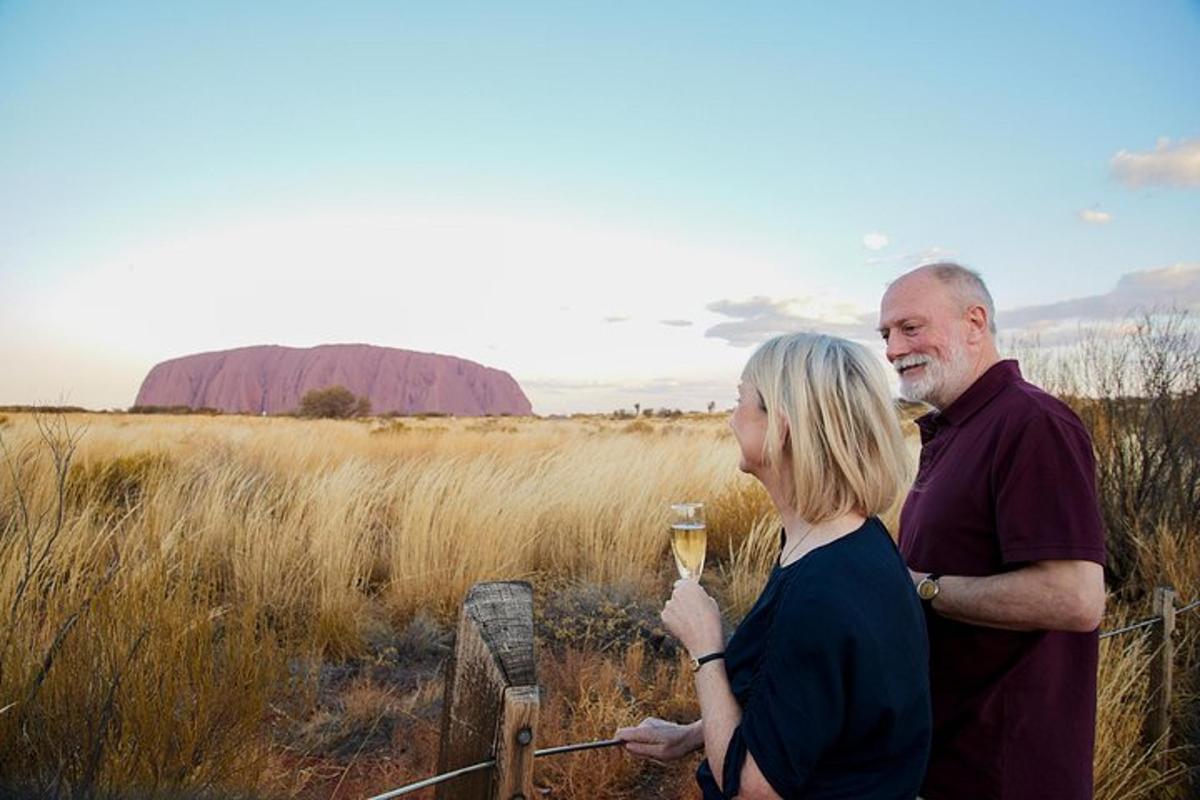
{"x":697,"y":663}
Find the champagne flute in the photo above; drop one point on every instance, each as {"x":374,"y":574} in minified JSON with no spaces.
{"x":688,"y":538}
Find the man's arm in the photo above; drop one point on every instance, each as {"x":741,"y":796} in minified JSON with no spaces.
{"x":1046,"y":595}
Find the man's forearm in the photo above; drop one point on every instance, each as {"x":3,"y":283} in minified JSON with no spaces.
{"x":1046,"y":595}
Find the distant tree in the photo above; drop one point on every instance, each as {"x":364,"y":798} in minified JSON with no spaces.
{"x":333,"y":402}
{"x":637,"y":409}
{"x":712,"y":406}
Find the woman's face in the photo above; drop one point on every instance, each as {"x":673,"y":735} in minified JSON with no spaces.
{"x":749,"y":425}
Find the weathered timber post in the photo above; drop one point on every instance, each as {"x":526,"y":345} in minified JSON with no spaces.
{"x":491,"y":700}
{"x":1157,"y":730}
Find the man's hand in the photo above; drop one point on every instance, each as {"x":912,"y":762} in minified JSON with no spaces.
{"x":665,"y":741}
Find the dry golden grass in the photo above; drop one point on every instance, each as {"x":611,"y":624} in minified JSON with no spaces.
{"x":210,"y":574}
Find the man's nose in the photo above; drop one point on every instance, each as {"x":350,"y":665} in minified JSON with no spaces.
{"x":895,"y":348}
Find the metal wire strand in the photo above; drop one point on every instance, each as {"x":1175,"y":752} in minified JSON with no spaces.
{"x":1146,"y":623}
{"x":549,"y":751}
{"x":436,"y":779}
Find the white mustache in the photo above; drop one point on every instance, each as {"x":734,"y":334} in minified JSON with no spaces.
{"x":914,"y":360}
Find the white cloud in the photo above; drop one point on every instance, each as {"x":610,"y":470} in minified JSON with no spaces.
{"x":875,"y":241}
{"x":1166,"y":165}
{"x":1095,"y":217}
{"x":759,"y":318}
{"x":1177,"y":286}
{"x":617,"y":319}
{"x":677,"y":323}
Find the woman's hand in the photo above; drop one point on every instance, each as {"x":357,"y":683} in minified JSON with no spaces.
{"x":694,"y":618}
{"x":665,"y":741}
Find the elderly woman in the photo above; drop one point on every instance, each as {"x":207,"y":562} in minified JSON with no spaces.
{"x":823,"y":690}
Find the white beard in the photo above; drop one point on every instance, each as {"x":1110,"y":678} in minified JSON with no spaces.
{"x":937,"y":377}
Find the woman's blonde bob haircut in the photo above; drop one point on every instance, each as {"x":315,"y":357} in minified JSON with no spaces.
{"x":831,"y":418}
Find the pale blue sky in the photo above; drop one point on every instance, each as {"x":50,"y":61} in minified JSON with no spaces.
{"x":497,"y":181}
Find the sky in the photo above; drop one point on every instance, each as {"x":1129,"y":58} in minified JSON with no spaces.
{"x":612,"y":202}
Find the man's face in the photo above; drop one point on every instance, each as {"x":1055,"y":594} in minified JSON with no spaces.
{"x":926,"y":335}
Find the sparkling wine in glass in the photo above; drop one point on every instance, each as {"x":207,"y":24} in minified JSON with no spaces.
{"x":688,"y":538}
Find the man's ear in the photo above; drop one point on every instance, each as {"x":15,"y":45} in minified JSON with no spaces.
{"x":977,"y":323}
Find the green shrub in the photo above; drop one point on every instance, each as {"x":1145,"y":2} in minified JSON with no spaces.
{"x":333,"y":402}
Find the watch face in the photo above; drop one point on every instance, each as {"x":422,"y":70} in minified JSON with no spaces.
{"x":927,"y":589}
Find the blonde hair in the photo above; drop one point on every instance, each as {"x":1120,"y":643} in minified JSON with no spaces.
{"x":843,"y":436}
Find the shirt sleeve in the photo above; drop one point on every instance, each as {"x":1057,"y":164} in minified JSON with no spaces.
{"x":1045,"y":489}
{"x":797,"y":703}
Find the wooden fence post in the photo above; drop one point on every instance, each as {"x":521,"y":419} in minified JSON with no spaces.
{"x":1157,"y":731}
{"x":491,"y":700}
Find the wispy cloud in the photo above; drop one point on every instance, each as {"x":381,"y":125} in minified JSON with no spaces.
{"x":617,"y":319}
{"x":875,"y":241}
{"x":759,"y":318}
{"x":1095,"y":217}
{"x":1166,"y":165}
{"x":1177,"y":285}
{"x":677,"y":323}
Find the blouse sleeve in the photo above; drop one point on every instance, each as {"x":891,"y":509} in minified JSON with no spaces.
{"x":797,"y":702}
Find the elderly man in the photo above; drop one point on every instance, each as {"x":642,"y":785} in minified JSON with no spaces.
{"x":1003,"y":537}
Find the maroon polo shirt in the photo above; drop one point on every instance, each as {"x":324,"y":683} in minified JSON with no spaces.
{"x":1007,"y":477}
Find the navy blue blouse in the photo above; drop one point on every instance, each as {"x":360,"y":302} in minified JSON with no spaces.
{"x":830,"y":668}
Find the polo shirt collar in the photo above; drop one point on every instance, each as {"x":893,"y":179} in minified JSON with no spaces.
{"x":977,"y":395}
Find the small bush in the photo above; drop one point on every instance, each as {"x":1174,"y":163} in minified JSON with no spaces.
{"x":334,"y":402}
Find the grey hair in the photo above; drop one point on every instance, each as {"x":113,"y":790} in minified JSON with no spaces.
{"x":967,"y":284}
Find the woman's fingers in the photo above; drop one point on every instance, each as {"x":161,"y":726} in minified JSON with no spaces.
{"x":652,"y":738}
{"x":648,"y":730}
{"x":647,"y":750}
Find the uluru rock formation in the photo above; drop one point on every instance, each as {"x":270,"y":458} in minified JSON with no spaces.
{"x":272,"y":379}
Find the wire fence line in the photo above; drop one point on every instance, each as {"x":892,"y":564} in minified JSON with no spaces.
{"x":569,"y":748}
{"x":491,"y":762}
{"x":1149,"y":621}
{"x":1146,"y":623}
